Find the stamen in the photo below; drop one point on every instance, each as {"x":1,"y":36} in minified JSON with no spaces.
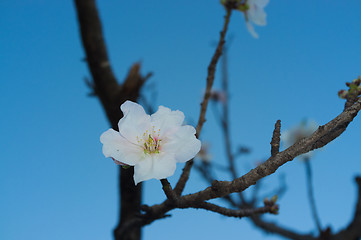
{"x":151,"y":144}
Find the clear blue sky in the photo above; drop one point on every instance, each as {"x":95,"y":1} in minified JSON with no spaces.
{"x":56,"y":184}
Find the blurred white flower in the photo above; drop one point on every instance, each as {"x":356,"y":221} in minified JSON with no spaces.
{"x":203,"y":154}
{"x":256,"y":15}
{"x":293,"y":135}
{"x":153,"y":144}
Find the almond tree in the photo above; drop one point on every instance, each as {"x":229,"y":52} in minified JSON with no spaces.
{"x":112,"y":94}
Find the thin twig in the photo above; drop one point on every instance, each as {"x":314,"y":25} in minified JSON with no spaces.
{"x":319,"y":138}
{"x":310,"y":194}
{"x":270,"y":227}
{"x":275,"y":142}
{"x":211,"y":73}
{"x":225,"y":123}
{"x":210,"y":79}
{"x":353,"y":230}
{"x":204,"y":170}
{"x":167,"y":188}
{"x":239,"y":213}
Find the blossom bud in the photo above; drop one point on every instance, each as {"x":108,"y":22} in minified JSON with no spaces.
{"x":274,"y":199}
{"x":357,"y":81}
{"x":342,"y":94}
{"x":275,"y":209}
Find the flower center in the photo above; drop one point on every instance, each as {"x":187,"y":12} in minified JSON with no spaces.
{"x":150,"y":141}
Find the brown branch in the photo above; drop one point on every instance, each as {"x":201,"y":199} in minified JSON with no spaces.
{"x":105,"y":83}
{"x":111,"y":95}
{"x":204,"y":170}
{"x":275,"y":142}
{"x":318,"y":139}
{"x":210,"y":79}
{"x":271,"y":227}
{"x":279,"y":191}
{"x":167,"y":188}
{"x":211,"y":72}
{"x":353,"y":230}
{"x":225,"y":123}
{"x":238,"y":213}
{"x":310,"y":195}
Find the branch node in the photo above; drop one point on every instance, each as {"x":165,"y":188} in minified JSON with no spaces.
{"x":167,"y":188}
{"x":276,"y":137}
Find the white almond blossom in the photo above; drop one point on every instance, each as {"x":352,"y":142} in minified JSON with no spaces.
{"x":204,"y":154}
{"x":153,"y":144}
{"x":293,"y":135}
{"x":256,"y":15}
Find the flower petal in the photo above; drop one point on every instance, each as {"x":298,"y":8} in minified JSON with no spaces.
{"x":251,"y":30}
{"x":183,"y":144}
{"x":156,"y":166}
{"x":134,"y":123}
{"x":256,"y":13}
{"x":257,"y":16}
{"x":260,"y":3}
{"x":167,"y":121}
{"x":119,"y":148}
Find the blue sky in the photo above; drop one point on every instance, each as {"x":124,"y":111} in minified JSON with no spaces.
{"x":54,"y":181}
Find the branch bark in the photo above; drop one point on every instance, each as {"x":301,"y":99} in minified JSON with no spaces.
{"x":319,"y":138}
{"x":353,"y":230}
{"x":202,"y":116}
{"x":111,"y":95}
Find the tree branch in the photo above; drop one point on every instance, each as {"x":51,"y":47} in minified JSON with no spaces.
{"x":105,"y":83}
{"x":210,"y":79}
{"x":310,"y":195}
{"x":167,"y":188}
{"x":353,"y":230}
{"x":270,"y":227}
{"x":239,"y":213}
{"x":276,"y":137}
{"x":319,"y":138}
{"x":111,"y":95}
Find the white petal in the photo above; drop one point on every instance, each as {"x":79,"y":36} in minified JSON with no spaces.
{"x":251,"y":30}
{"x":167,"y":121}
{"x":260,"y":3}
{"x":257,"y":15}
{"x":119,"y":148}
{"x":143,"y":170}
{"x":183,"y":144}
{"x":312,"y":126}
{"x":134,"y":123}
{"x":156,"y":166}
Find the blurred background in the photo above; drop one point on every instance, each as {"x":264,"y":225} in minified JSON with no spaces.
{"x":55,"y":182}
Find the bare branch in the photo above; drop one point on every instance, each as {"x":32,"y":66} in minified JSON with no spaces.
{"x":225,"y":123}
{"x":271,"y":227}
{"x":318,"y":139}
{"x":204,"y":170}
{"x":310,"y":195}
{"x":93,"y":42}
{"x":167,"y":188}
{"x":210,"y":79}
{"x":353,"y":230}
{"x":111,"y":95}
{"x":275,"y":142}
{"x":239,"y":213}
